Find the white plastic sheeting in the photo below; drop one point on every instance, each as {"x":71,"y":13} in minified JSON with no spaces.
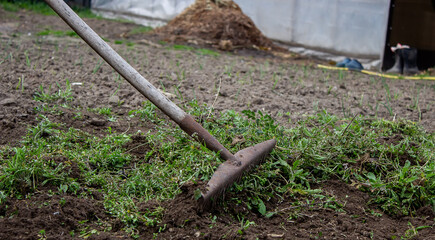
{"x":355,"y":27}
{"x":147,"y":12}
{"x":352,"y":27}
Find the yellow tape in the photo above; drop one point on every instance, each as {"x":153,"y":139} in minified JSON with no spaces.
{"x":378,"y":74}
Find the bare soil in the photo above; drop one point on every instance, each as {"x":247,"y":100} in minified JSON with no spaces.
{"x":288,"y":89}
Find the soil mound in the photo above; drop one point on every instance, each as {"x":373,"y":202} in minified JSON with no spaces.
{"x":220,"y":23}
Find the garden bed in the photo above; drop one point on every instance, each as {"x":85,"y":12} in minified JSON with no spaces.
{"x":83,"y":154}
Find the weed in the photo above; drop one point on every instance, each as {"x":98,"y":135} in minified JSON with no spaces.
{"x":415,"y":99}
{"x":58,"y":33}
{"x":41,"y":7}
{"x":48,"y":97}
{"x":20,"y":84}
{"x":3,"y":197}
{"x":119,"y":42}
{"x":305,"y":70}
{"x":345,"y":111}
{"x":228,"y":70}
{"x":316,"y":149}
{"x":275,"y":80}
{"x":85,"y":233}
{"x":181,"y":47}
{"x":27,"y":60}
{"x":98,"y":66}
{"x":41,"y":235}
{"x":361,"y":100}
{"x":244,"y":225}
{"x":209,"y":52}
{"x":105,"y":39}
{"x":341,"y":75}
{"x":140,"y":30}
{"x":147,"y":113}
{"x":107,"y":111}
{"x":47,"y":108}
{"x":330,"y":88}
{"x":387,"y":104}
{"x":79,"y":62}
{"x":26,"y":169}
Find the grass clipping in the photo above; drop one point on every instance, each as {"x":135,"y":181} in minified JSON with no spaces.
{"x":220,"y":23}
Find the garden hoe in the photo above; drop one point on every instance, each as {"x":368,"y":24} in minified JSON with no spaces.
{"x":229,"y":171}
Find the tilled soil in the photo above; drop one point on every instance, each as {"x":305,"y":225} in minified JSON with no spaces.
{"x":288,"y":89}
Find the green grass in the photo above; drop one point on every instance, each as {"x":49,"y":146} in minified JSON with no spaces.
{"x":48,"y":96}
{"x":181,"y":47}
{"x":204,"y":51}
{"x":58,"y":33}
{"x":140,"y":30}
{"x":199,"y":51}
{"x":9,"y":6}
{"x":119,"y":42}
{"x":40,"y":7}
{"x":398,"y":175}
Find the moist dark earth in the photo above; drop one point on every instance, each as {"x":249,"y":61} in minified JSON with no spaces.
{"x":288,"y":89}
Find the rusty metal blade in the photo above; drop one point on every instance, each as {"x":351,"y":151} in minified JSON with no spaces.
{"x":228,"y":173}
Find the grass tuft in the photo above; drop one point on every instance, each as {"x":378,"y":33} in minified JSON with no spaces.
{"x":58,"y":33}
{"x":40,"y":7}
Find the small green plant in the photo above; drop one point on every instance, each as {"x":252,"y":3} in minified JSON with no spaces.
{"x":58,"y":33}
{"x":244,"y":225}
{"x":387,"y":104}
{"x":305,"y":69}
{"x":107,"y":111}
{"x":47,"y":96}
{"x":19,"y":174}
{"x":42,"y":235}
{"x":228,"y":70}
{"x":341,"y":75}
{"x":27,"y":59}
{"x":3,"y":197}
{"x":275,"y":80}
{"x":98,"y":66}
{"x":140,"y":30}
{"x":415,"y":99}
{"x":119,"y":42}
{"x":178,"y":93}
{"x":63,"y":188}
{"x":85,"y":233}
{"x":20,"y":84}
{"x":78,"y":116}
{"x":181,"y":47}
{"x":147,"y":113}
{"x":361,"y":101}
{"x":209,"y":52}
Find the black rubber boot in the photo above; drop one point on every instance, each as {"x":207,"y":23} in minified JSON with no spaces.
{"x":409,"y":61}
{"x":398,"y":64}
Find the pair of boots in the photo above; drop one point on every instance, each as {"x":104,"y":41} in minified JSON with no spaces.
{"x":405,"y":61}
{"x":352,"y":64}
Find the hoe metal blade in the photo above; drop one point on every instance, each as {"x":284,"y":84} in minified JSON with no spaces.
{"x":228,"y":173}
